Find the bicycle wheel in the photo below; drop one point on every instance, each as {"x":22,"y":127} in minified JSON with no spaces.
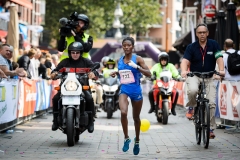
{"x":206,"y":124}
{"x":197,"y":124}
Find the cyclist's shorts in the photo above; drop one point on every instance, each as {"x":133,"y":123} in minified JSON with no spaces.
{"x":133,"y":96}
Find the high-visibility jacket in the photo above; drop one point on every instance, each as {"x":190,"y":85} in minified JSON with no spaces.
{"x":71,"y":39}
{"x":106,"y":72}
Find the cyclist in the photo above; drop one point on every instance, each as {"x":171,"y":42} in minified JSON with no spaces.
{"x":202,"y":56}
{"x":163,"y":59}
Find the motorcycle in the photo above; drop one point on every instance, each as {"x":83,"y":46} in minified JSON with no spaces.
{"x":110,"y":92}
{"x":73,"y":119}
{"x":165,"y":95}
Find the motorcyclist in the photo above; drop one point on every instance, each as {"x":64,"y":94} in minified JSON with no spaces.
{"x":78,"y":35}
{"x":163,"y":64}
{"x":110,"y":67}
{"x":75,"y":60}
{"x":104,"y":63}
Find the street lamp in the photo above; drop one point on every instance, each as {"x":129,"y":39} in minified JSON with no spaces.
{"x":117,"y":24}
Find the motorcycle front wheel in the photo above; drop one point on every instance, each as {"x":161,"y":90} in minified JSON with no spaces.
{"x":165,"y":112}
{"x":109,"y":111}
{"x":70,"y":127}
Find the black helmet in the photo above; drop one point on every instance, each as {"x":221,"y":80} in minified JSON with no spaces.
{"x":75,"y":46}
{"x":84,"y":18}
{"x":111,"y":61}
{"x":163,"y":55}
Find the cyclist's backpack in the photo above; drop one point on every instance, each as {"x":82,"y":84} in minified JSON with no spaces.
{"x":233,"y":63}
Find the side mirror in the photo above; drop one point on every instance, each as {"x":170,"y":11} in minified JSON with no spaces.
{"x":100,"y":76}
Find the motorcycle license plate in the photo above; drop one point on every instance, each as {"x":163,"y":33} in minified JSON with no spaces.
{"x":71,"y":100}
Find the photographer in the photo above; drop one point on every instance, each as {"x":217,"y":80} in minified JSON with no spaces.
{"x":78,"y":25}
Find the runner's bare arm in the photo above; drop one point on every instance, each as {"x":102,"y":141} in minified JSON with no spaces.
{"x":143,"y":67}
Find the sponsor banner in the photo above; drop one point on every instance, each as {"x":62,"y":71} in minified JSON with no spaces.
{"x":47,"y":93}
{"x":229,"y":100}
{"x":40,"y":96}
{"x":55,"y":83}
{"x":27,"y":100}
{"x":8,"y":100}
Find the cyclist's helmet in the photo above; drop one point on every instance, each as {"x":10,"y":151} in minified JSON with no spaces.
{"x":104,"y":61}
{"x":111,"y":61}
{"x":84,"y":18}
{"x":75,"y":46}
{"x":163,"y":55}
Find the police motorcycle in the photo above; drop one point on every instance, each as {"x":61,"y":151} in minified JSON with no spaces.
{"x":165,"y":95}
{"x":73,"y":120}
{"x":110,"y":95}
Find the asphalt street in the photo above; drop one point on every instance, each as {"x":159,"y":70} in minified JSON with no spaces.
{"x":176,"y":140}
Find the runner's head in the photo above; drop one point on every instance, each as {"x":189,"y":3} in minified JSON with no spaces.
{"x":128,"y":45}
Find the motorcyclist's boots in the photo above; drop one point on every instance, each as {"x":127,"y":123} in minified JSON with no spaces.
{"x":151,"y":110}
{"x":91,"y":125}
{"x":55,"y":125}
{"x":173,"y":110}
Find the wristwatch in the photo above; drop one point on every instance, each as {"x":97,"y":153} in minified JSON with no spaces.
{"x":138,"y":67}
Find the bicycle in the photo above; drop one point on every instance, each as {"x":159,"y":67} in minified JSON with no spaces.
{"x":201,"y":117}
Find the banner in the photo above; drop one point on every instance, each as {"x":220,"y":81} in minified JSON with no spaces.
{"x":8,"y":100}
{"x":27,"y":98}
{"x":229,"y":100}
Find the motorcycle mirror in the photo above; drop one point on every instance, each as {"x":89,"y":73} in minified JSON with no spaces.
{"x":100,"y":76}
{"x":95,"y":66}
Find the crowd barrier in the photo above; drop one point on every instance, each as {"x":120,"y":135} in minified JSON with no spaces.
{"x":21,"y":99}
{"x":25,"y":98}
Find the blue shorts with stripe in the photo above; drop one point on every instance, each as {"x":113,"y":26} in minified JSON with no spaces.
{"x":132,"y":96}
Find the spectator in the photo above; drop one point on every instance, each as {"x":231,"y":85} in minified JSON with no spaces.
{"x":24,"y":61}
{"x":42,"y":70}
{"x":55,"y":60}
{"x":229,"y":47}
{"x":34,"y":64}
{"x":5,"y":53}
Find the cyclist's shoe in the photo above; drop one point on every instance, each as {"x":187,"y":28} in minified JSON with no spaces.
{"x":126,"y":145}
{"x":136,"y":148}
{"x":212,"y":135}
{"x":190,"y":113}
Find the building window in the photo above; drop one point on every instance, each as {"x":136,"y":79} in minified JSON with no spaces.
{"x":178,"y":34}
{"x":178,"y":15}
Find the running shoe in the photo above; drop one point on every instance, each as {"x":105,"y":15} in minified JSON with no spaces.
{"x":126,"y":144}
{"x":136,"y":148}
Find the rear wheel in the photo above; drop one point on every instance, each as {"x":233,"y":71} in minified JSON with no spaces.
{"x":70,"y":127}
{"x":206,"y":124}
{"x":109,"y":111}
{"x":165,"y":112}
{"x":197,"y":123}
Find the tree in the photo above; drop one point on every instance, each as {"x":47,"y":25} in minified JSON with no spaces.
{"x":138,"y":14}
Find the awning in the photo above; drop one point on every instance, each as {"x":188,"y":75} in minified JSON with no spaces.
{"x":3,"y":33}
{"x":24,"y":3}
{"x":35,"y":28}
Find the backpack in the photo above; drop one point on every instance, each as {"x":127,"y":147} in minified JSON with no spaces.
{"x":233,"y":63}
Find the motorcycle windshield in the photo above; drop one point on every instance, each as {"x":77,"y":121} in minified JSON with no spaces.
{"x":110,"y":81}
{"x":165,"y":79}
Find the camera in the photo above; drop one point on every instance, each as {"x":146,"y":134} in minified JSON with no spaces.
{"x":68,"y":24}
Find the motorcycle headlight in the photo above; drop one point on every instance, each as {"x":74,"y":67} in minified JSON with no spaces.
{"x":159,"y":84}
{"x":71,"y":86}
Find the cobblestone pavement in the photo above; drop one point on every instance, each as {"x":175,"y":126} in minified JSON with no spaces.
{"x":176,"y":140}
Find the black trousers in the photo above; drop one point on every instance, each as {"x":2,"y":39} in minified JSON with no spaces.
{"x":88,"y":98}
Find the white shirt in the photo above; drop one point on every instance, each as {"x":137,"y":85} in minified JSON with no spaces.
{"x":227,"y":75}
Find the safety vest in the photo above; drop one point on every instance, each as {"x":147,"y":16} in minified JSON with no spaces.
{"x":106,"y":72}
{"x":71,"y":39}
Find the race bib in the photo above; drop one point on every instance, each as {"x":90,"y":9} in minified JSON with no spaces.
{"x":126,"y":76}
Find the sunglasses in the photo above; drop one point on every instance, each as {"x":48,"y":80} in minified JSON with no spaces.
{"x":75,"y":52}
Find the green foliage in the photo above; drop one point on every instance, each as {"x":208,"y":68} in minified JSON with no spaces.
{"x":137,"y":14}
